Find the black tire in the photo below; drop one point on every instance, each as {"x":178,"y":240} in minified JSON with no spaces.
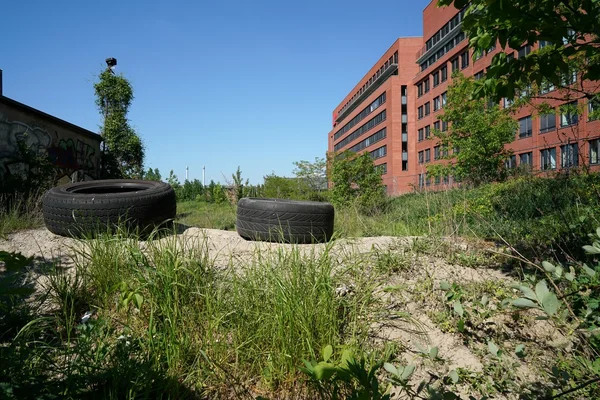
{"x":83,"y":209}
{"x":289,"y":221}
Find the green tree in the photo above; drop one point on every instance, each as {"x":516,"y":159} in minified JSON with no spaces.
{"x":356,"y":180}
{"x":280,"y":187}
{"x":173,"y":180}
{"x":124,"y":150}
{"x":240,"y":188}
{"x":312,"y":175}
{"x":570,"y":28}
{"x":153,"y":175}
{"x":476,"y":136}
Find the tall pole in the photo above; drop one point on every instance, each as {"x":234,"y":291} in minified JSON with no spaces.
{"x":203,"y":175}
{"x":186,"y":172}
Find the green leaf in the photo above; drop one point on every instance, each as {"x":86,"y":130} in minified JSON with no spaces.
{"x":569,"y":276}
{"x":520,"y":350}
{"x":324,"y":371}
{"x":347,"y":356}
{"x":327,"y":352}
{"x":591,"y":249}
{"x":444,"y":285}
{"x":550,"y":303}
{"x":493,"y":348}
{"x":589,"y":271}
{"x":391,"y":369}
{"x":458,"y":308}
{"x":548,"y":267}
{"x":559,"y":271}
{"x":433,"y":353}
{"x":453,"y":376}
{"x":527,"y":292}
{"x":407,"y":372}
{"x":138,"y":300}
{"x":484,"y":300}
{"x":541,"y":290}
{"x":524,"y":303}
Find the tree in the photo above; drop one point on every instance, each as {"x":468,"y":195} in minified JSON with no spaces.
{"x":570,"y":28}
{"x":124,"y":150}
{"x":477,"y":133}
{"x":153,"y":175}
{"x":173,"y":180}
{"x":312,"y":174}
{"x":356,"y":180}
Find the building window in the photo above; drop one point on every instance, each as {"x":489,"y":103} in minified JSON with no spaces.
{"x":382,"y":168}
{"x":548,"y":159}
{"x":420,"y":155}
{"x":436,"y":103}
{"x":525,"y":127}
{"x":436,"y":78}
{"x":444,"y":126}
{"x":478,"y":75}
{"x":427,"y":108}
{"x":523,"y":51}
{"x":569,"y":78}
{"x":426,"y":85}
{"x":547,"y":123}
{"x":378,"y":153}
{"x":594,"y":109}
{"x":436,"y":152}
{"x":362,"y":115}
{"x":526,"y":159}
{"x":444,"y":98}
{"x":546,"y":87}
{"x":464,"y":60}
{"x":374,"y":138}
{"x":455,"y":64}
{"x":569,"y":115}
{"x":444,"y":72}
{"x":569,"y":155}
{"x":436,"y":126}
{"x":376,"y":120}
{"x":594,"y":151}
{"x":490,"y":49}
{"x":427,"y":155}
{"x":420,"y":112}
{"x":543,"y":43}
{"x":421,"y":180}
{"x":511,"y":162}
{"x":420,"y":134}
{"x":427,"y":132}
{"x":420,"y":89}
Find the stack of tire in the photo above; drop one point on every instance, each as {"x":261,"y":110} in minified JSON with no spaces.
{"x":84,"y":209}
{"x":284,"y":221}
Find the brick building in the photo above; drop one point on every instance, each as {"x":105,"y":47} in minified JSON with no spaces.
{"x":413,"y":90}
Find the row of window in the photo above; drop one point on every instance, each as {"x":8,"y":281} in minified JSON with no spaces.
{"x":378,"y":153}
{"x":439,"y":76}
{"x":567,"y":117}
{"x":391,"y":61}
{"x":443,"y":50}
{"x":439,"y":152}
{"x":362,"y":115}
{"x":438,"y":103}
{"x":569,"y":156}
{"x":379,"y":118}
{"x":445,"y":30}
{"x":425,"y":132}
{"x":424,"y":180}
{"x":374,"y":138}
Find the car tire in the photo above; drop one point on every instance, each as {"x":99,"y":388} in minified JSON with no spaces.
{"x":83,"y":209}
{"x":288,"y":221}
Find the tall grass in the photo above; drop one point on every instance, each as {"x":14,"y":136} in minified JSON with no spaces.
{"x":18,"y":212}
{"x":206,"y":215}
{"x":166,"y":320}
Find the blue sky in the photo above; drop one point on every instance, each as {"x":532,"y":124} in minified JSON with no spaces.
{"x":219,"y":83}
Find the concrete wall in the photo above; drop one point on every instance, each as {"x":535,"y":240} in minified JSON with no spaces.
{"x":75,"y":151}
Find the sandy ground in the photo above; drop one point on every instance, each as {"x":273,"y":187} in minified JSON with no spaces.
{"x":227,"y":248}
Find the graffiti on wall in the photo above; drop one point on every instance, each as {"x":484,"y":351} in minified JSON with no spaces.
{"x":70,"y":156}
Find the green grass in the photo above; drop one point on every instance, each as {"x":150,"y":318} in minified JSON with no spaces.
{"x":198,"y":328}
{"x":206,"y":215}
{"x":18,"y":214}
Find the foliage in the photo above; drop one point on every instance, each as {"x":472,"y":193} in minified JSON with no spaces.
{"x":173,"y":180}
{"x":572,"y":28}
{"x":356,"y":181}
{"x":475,"y":139}
{"x":312,"y":176}
{"x":281,"y":187}
{"x":124,"y":153}
{"x":153,"y":175}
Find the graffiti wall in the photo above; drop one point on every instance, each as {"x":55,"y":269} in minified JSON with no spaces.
{"x":73,"y":150}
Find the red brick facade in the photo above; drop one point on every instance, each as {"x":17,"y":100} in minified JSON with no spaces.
{"x":409,"y":143}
